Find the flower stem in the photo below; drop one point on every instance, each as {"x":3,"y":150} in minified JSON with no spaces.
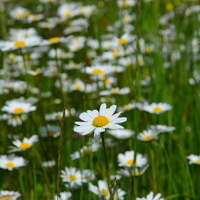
{"x":107,"y":168}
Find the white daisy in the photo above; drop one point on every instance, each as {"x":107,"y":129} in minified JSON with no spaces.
{"x":162,"y":128}
{"x":49,"y":163}
{"x":72,"y":176}
{"x":148,"y":135}
{"x":18,"y":106}
{"x":157,"y":108}
{"x":122,"y":134}
{"x":99,"y":121}
{"x":150,"y":197}
{"x":49,"y":130}
{"x":63,"y":196}
{"x":25,"y":144}
{"x":9,"y":195}
{"x":127,"y":159}
{"x":194,"y":159}
{"x":11,"y":162}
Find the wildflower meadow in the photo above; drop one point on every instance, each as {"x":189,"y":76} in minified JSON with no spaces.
{"x":100,"y":100}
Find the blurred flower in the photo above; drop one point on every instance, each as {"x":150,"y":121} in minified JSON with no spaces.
{"x":194,"y":159}
{"x":99,"y":121}
{"x":87,"y":176}
{"x":150,"y":197}
{"x":116,"y":90}
{"x":157,"y":108}
{"x":63,"y":196}
{"x":49,"y":131}
{"x":25,"y":144}
{"x":10,"y":162}
{"x":127,"y":159}
{"x":122,"y":134}
{"x":148,"y":135}
{"x":9,"y":195}
{"x":18,"y":106}
{"x":162,"y":128}
{"x":72,"y":176}
{"x":49,"y":164}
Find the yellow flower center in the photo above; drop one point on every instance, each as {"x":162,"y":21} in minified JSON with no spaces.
{"x":115,"y":54}
{"x":197,"y":161}
{"x":58,"y":116}
{"x":18,"y":110}
{"x":114,"y":70}
{"x":78,"y":86}
{"x":169,"y":6}
{"x":147,"y":137}
{"x":86,"y":151}
{"x":34,"y":17}
{"x":141,"y":62}
{"x":54,"y":39}
{"x":19,"y":44}
{"x":122,"y":41}
{"x":126,"y":19}
{"x":6,"y":197}
{"x":67,"y":14}
{"x":47,"y":24}
{"x":127,"y":107}
{"x":36,"y":72}
{"x":100,"y":121}
{"x":20,"y":15}
{"x":10,"y":164}
{"x":97,"y":71}
{"x":16,"y":117}
{"x":49,"y":1}
{"x":25,"y":35}
{"x":126,"y":3}
{"x":148,"y":50}
{"x":90,"y":11}
{"x":72,"y":177}
{"x":115,"y":91}
{"x":24,"y":145}
{"x":104,"y":192}
{"x":107,"y":81}
{"x":52,"y":71}
{"x":81,"y":11}
{"x":131,"y":162}
{"x":50,"y":133}
{"x":76,"y":48}
{"x":157,"y":109}
{"x":137,"y":173}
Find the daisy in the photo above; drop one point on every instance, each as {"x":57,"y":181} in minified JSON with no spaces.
{"x":72,"y":176}
{"x":127,"y":107}
{"x":150,"y":197}
{"x":63,"y":196}
{"x":122,"y":134}
{"x":49,"y":164}
{"x":135,"y":171}
{"x":25,"y":144}
{"x":101,"y":190}
{"x":87,"y":175}
{"x":119,"y":194}
{"x":147,"y":135}
{"x":85,"y":150}
{"x":49,"y":131}
{"x":99,"y":121}
{"x":124,"y":39}
{"x":157,"y":108}
{"x":18,"y":106}
{"x":162,"y":128}
{"x":11,"y":162}
{"x":127,"y":159}
{"x":9,"y":195}
{"x":120,"y":91}
{"x":194,"y":159}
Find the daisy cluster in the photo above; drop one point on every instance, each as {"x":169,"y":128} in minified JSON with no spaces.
{"x":89,"y":95}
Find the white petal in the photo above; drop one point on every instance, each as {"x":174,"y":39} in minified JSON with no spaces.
{"x":85,"y":117}
{"x":102,"y":110}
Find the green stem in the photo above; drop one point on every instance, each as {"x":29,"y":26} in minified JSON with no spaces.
{"x":107,"y":168}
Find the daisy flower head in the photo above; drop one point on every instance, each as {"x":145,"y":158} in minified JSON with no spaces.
{"x":63,"y":196}
{"x":162,"y":128}
{"x":148,"y":135}
{"x":9,"y":195}
{"x":25,"y":144}
{"x":194,"y":159}
{"x":127,"y":159}
{"x":122,"y":134}
{"x":11,"y":162}
{"x":98,"y":121}
{"x":157,"y":108}
{"x":72,"y":176}
{"x":150,"y":196}
{"x":18,"y":107}
{"x":49,"y":163}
